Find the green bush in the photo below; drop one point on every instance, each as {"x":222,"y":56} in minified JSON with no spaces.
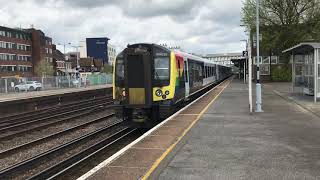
{"x":280,"y":73}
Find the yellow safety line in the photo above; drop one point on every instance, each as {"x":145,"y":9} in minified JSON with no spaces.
{"x":158,"y":161}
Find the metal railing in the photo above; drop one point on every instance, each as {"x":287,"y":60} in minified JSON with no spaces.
{"x":10,"y":85}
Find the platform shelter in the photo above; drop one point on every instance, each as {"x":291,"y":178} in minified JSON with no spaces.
{"x":305,"y":59}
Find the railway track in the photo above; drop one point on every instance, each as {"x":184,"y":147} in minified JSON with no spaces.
{"x":57,"y":160}
{"x":58,"y":134}
{"x":65,"y":168}
{"x":27,"y":116}
{"x":14,"y":129}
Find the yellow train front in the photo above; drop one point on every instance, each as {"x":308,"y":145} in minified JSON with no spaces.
{"x":150,"y":81}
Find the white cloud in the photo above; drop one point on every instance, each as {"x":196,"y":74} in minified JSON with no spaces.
{"x":204,"y":26}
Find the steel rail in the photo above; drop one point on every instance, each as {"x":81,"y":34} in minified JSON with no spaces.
{"x":31,"y":162}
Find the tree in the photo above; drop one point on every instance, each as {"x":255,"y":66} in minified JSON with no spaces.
{"x":107,"y":69}
{"x":284,"y":23}
{"x":43,"y":68}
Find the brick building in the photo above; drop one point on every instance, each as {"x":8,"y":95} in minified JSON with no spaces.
{"x":21,"y":50}
{"x":90,"y":65}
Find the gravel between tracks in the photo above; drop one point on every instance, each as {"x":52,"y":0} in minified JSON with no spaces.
{"x":29,"y":152}
{"x":69,"y":153}
{"x":38,"y":124}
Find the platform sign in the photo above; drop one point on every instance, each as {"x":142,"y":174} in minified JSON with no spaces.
{"x":254,"y":39}
{"x":264,"y":69}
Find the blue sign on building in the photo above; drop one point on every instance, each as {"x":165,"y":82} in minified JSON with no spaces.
{"x":98,"y":48}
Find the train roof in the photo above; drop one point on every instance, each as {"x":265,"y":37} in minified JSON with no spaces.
{"x":197,"y":58}
{"x":185,"y":54}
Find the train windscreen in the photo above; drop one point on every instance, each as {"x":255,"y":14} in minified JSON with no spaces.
{"x":119,"y":74}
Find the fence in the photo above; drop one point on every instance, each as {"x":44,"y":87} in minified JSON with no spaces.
{"x":25,"y":84}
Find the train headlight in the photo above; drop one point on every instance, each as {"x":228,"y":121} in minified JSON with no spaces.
{"x":167,"y":92}
{"x":159,"y":93}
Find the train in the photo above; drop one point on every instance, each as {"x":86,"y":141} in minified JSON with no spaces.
{"x":150,"y":81}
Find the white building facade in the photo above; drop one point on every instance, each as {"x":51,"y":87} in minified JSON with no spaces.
{"x":111,"y":54}
{"x":83,"y":49}
{"x":223,"y":59}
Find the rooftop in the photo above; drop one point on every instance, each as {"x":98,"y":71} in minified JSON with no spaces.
{"x":304,"y":46}
{"x":223,"y":55}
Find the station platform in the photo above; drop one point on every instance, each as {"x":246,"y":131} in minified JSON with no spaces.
{"x":17,"y":103}
{"x":217,"y":138}
{"x":44,"y":93}
{"x":285,"y":90}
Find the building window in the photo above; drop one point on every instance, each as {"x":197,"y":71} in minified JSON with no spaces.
{"x":50,"y":51}
{"x":9,"y":34}
{"x":24,"y":68}
{"x":19,"y":46}
{"x":8,"y":68}
{"x":2,"y":33}
{"x":23,"y":47}
{"x":47,"y":50}
{"x":23,"y":58}
{"x":9,"y":45}
{"x":2,"y":44}
{"x":12,"y":57}
{"x":3,"y":57}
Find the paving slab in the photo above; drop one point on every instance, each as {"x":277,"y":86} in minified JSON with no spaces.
{"x":230,"y":143}
{"x":139,"y":160}
{"x":285,"y":90}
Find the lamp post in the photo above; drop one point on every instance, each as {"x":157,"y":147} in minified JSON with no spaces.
{"x":258,"y":85}
{"x":249,"y":65}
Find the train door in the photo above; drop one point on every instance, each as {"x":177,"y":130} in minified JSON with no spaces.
{"x":217,"y":72}
{"x":215,"y":78}
{"x":186,"y":75}
{"x":138,"y":78}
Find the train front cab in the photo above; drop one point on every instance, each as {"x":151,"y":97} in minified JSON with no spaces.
{"x":144,"y":83}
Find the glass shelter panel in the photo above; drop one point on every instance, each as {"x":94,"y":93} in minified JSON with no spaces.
{"x":318,"y":66}
{"x":309,"y":74}
{"x":299,"y":69}
{"x":299,"y":75}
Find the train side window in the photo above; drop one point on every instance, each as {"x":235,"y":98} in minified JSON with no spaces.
{"x":205,"y":71}
{"x":186,"y":72}
{"x":207,"y":75}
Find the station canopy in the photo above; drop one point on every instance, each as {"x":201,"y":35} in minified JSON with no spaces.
{"x":305,"y":60}
{"x":302,"y":48}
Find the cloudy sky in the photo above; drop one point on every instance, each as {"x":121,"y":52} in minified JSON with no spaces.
{"x":198,"y":26}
